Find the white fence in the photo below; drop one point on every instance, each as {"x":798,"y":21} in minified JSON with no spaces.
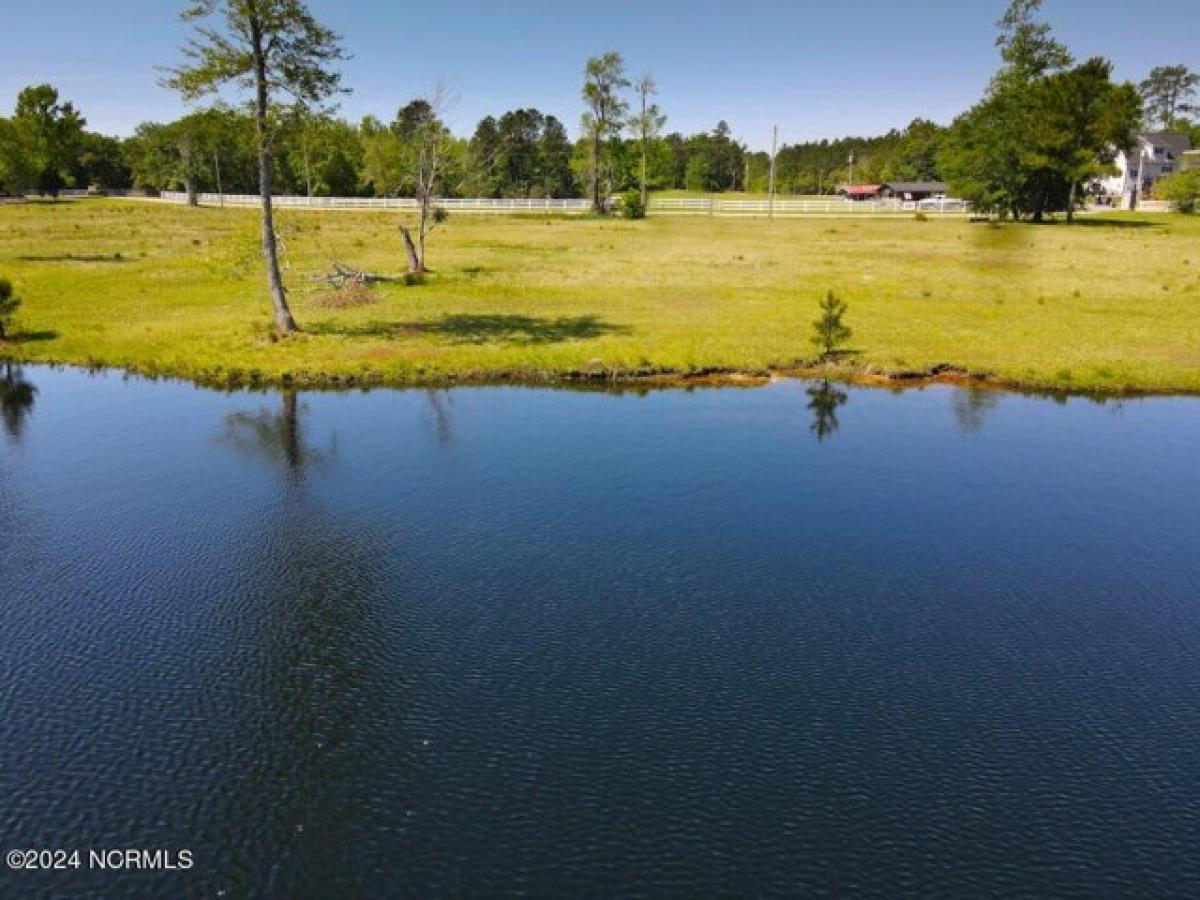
{"x":785,"y":207}
{"x":454,"y":205}
{"x":681,"y":206}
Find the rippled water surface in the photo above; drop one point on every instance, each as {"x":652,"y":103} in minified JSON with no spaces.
{"x":801,"y":640}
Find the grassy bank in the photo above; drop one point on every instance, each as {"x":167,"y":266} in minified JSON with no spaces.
{"x":1109,"y":304}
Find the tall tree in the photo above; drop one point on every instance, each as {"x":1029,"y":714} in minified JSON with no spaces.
{"x":16,"y":173}
{"x":990,"y":156}
{"x":647,"y":125}
{"x":554,"y":160}
{"x":1082,"y":115}
{"x":100,"y":162}
{"x":48,"y":135}
{"x":269,"y":47}
{"x":604,"y":79}
{"x":1167,"y":93}
{"x":1027,"y":46}
{"x":428,"y":148}
{"x":519,"y":132}
{"x":482,"y":153}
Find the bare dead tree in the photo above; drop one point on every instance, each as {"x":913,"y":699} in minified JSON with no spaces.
{"x":431,"y":147}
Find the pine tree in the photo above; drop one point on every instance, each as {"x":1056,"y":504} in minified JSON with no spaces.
{"x":829,"y":331}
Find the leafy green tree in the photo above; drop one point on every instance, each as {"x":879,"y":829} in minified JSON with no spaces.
{"x":1081,"y":116}
{"x":990,"y":157}
{"x":1027,"y":46}
{"x":1167,"y":93}
{"x":47,"y":135}
{"x":632,"y":206}
{"x":1044,"y":127}
{"x":728,"y":164}
{"x":100,"y":162}
{"x":1181,"y":190}
{"x":554,"y":160}
{"x":273,"y":47}
{"x":176,"y":154}
{"x":321,"y":154}
{"x":518,"y":160}
{"x":483,"y":151}
{"x":699,"y":175}
{"x":16,"y":172}
{"x":829,"y":331}
{"x":604,"y":79}
{"x":915,"y":155}
{"x":393,"y":154}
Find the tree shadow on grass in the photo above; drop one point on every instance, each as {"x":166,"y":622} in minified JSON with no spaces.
{"x":29,"y":337}
{"x":77,"y":257}
{"x":477,"y":329}
{"x":1116,"y":223}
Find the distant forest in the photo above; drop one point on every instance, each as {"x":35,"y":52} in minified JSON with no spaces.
{"x":522,"y":153}
{"x":1046,"y":125}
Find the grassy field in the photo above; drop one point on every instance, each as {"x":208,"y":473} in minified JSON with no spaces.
{"x":1109,"y":304}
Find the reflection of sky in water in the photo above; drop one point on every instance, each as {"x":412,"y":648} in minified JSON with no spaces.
{"x":799,"y":638}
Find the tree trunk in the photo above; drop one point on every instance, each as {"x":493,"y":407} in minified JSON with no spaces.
{"x":1071,"y":204}
{"x":596,"y":207}
{"x":189,"y":185}
{"x":415,"y":266}
{"x":284,"y":323}
{"x":643,"y":173}
{"x":422,"y":230}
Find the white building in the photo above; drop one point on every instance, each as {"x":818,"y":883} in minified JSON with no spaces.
{"x":1155,"y":155}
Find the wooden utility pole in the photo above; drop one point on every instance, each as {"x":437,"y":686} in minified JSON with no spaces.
{"x":771,"y":186}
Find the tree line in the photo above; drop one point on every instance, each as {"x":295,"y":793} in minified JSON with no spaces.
{"x":1044,"y":127}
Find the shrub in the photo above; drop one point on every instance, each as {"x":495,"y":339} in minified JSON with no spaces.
{"x":829,"y":332}
{"x":1181,"y":190}
{"x":632,"y":206}
{"x":8,"y":304}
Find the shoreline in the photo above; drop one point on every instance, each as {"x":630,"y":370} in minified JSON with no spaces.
{"x":943,"y":374}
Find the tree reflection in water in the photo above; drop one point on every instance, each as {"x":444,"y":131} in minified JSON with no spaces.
{"x":16,"y":400}
{"x":824,"y":400}
{"x":439,"y":405}
{"x":276,"y":436}
{"x":971,"y":407}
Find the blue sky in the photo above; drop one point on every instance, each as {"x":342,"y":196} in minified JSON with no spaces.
{"x":816,"y":69}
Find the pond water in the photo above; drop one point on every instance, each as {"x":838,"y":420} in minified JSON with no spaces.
{"x":799,"y":640}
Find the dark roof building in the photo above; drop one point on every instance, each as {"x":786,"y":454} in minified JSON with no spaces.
{"x":914,"y":190}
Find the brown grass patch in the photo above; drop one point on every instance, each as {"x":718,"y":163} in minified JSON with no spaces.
{"x":352,"y":295}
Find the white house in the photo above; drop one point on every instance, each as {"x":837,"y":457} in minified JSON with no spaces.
{"x":1155,"y":155}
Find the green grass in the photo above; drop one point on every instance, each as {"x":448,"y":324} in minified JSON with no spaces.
{"x":1110,"y":304}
